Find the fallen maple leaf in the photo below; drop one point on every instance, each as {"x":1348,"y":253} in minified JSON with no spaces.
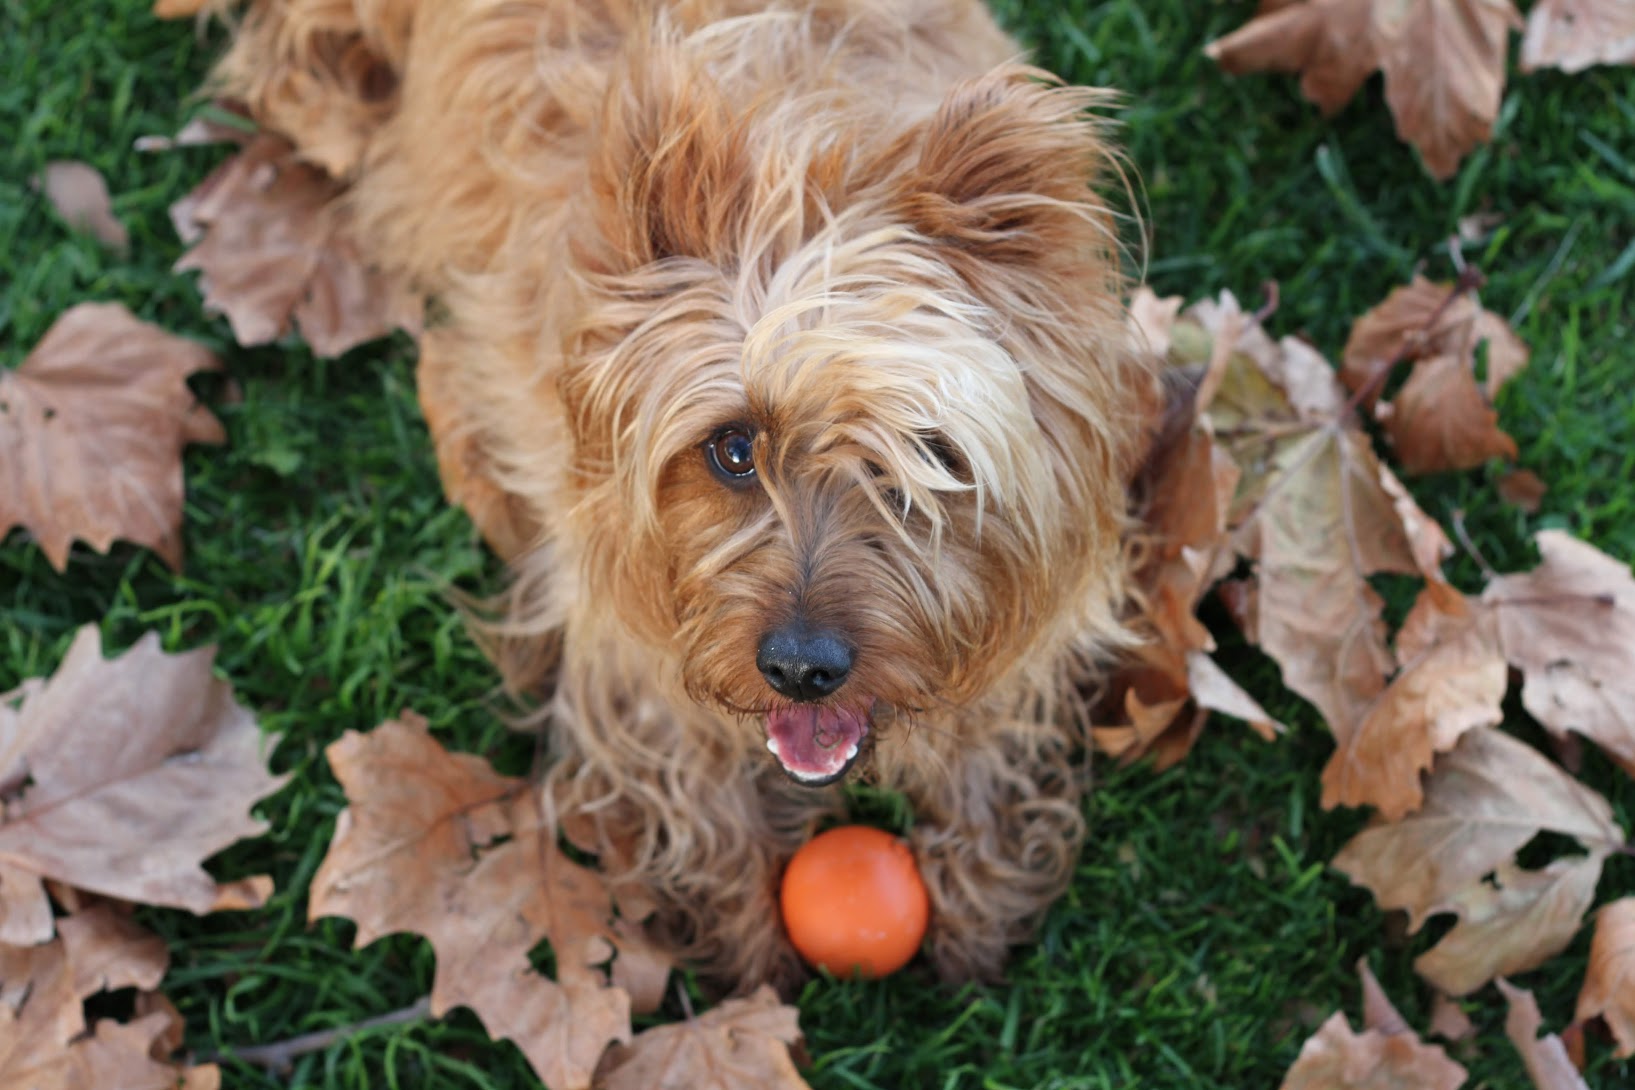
{"x":44,"y":1043}
{"x":1545,"y":1057}
{"x":1317,"y":513}
{"x":1483,"y":802}
{"x":92,"y":426}
{"x":742,"y":1043}
{"x":1572,"y":35}
{"x":1453,"y":679}
{"x":1440,"y":421}
{"x":137,"y":768}
{"x":80,"y":195}
{"x":1609,"y":985}
{"x":1442,"y":418}
{"x":1569,"y":627}
{"x":272,"y":249}
{"x":1424,"y":319}
{"x":1443,"y":62}
{"x":1515,"y":921}
{"x":1386,"y":1056}
{"x":441,"y":845}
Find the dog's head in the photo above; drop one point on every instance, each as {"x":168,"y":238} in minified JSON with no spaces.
{"x":852,"y":410}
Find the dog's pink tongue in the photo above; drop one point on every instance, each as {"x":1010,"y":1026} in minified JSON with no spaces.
{"x":815,"y":743}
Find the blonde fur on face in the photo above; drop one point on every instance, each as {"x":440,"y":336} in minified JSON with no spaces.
{"x":857,"y":234}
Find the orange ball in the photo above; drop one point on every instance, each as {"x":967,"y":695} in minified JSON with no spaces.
{"x":853,"y":902}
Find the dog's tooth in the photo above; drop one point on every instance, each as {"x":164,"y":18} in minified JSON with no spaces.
{"x":772,"y":744}
{"x":851,"y":751}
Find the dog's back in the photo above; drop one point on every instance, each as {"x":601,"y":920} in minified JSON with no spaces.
{"x":464,"y":125}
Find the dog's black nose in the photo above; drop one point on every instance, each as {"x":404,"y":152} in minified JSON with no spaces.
{"x":803,"y":663}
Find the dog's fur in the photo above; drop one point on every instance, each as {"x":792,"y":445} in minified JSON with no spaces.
{"x":858,"y":228}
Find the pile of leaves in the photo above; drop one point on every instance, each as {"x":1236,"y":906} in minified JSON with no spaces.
{"x":1273,"y":498}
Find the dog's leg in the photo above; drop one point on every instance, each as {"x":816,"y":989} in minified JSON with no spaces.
{"x":705,"y":844}
{"x":999,"y":834}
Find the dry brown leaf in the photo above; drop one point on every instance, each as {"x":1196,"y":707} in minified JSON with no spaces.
{"x":1484,"y":800}
{"x":1153,"y":317}
{"x":1212,"y":689}
{"x":115,"y":1054}
{"x":1545,"y":1057}
{"x":1514,"y":922}
{"x":742,"y":1043}
{"x":1312,"y":507}
{"x":43,"y":1040}
{"x":1159,"y":703}
{"x":1444,"y":66}
{"x":1572,"y":35}
{"x":438,"y":844}
{"x":1522,"y":488}
{"x":1609,"y":985}
{"x":92,"y":427}
{"x":272,"y":249}
{"x":1425,"y":318}
{"x":1443,"y":62}
{"x":139,"y":768}
{"x":1143,"y":725}
{"x":1449,"y":1020}
{"x":1442,"y":418}
{"x":1440,"y":421}
{"x":1338,"y":1058}
{"x":80,"y":195}
{"x":1318,"y":514}
{"x":1453,"y":679}
{"x":1569,"y":627}
{"x":1379,"y":1013}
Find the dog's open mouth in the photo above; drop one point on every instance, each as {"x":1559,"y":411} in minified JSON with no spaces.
{"x":816,"y":744}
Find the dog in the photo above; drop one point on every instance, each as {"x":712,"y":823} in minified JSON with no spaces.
{"x":779,"y":349}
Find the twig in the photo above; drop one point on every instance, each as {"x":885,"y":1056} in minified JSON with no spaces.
{"x":279,"y":1057}
{"x":1470,"y":546}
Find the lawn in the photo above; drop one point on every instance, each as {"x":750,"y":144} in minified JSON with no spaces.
{"x":1205,"y":936}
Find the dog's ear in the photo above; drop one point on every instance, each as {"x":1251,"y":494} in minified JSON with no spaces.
{"x":669,"y":176}
{"x":1005,"y":169}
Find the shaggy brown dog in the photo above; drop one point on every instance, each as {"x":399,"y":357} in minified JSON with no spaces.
{"x":779,"y":347}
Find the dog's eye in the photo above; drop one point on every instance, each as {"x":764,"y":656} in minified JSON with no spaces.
{"x":731,"y":452}
{"x":945,"y":454}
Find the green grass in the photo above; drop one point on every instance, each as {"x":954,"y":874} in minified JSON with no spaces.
{"x":1205,"y":935}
